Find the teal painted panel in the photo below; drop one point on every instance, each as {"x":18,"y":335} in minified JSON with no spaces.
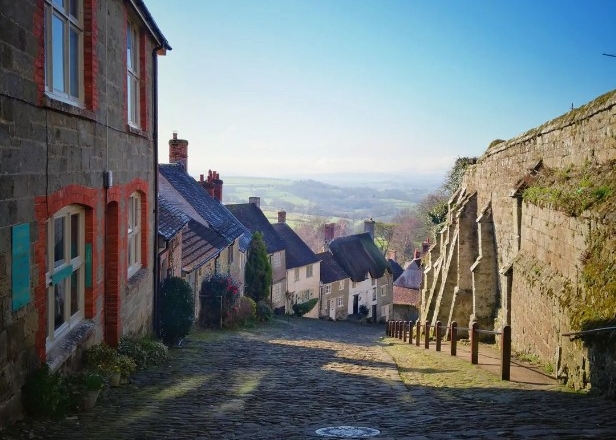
{"x":88,"y":264}
{"x":20,"y":265}
{"x":62,"y":274}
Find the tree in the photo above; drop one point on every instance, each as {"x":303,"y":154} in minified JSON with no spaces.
{"x":410,"y":231}
{"x":177,"y":309}
{"x":258,"y":272}
{"x":383,"y":234}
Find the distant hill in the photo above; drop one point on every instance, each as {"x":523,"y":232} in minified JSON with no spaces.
{"x":377,"y":200}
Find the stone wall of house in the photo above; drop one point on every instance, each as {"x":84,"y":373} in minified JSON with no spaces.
{"x":526,"y":259}
{"x":53,"y":154}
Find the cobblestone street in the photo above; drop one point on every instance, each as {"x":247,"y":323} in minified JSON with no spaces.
{"x":288,"y":379}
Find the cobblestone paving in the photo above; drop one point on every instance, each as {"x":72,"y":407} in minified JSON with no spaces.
{"x":286,"y":380}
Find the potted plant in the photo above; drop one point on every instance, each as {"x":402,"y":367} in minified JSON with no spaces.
{"x":107,"y":361}
{"x":86,"y":386}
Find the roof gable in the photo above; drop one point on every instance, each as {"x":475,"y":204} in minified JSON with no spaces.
{"x":251,"y":216}
{"x":298,"y":253}
{"x":412,"y":276}
{"x":330,"y":269}
{"x":358,"y":256}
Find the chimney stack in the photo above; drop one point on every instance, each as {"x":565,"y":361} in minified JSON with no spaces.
{"x":213,"y":185}
{"x":255,"y":201}
{"x":282,"y":216}
{"x":392,"y":254}
{"x":425,"y":246}
{"x":369,"y":227}
{"x":416,"y":255}
{"x":178,"y":151}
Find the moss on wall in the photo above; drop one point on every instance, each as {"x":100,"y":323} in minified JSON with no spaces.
{"x":589,"y":189}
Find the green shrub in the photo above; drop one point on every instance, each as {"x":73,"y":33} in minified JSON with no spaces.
{"x":363,"y":310}
{"x":108,"y":361}
{"x":219,"y":296}
{"x":300,"y":309}
{"x":46,"y":394}
{"x":144,"y":352}
{"x":247,"y":311}
{"x":177,"y":310}
{"x":264,"y":311}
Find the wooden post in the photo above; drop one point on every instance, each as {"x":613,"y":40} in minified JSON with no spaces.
{"x":427,"y":336}
{"x":401,"y":330}
{"x":397,"y":329}
{"x":404,"y":331}
{"x":418,"y":335}
{"x":437,"y":334}
{"x":454,"y":338}
{"x":411,"y":325}
{"x":475,"y":344}
{"x":506,"y":353}
{"x":387,"y":328}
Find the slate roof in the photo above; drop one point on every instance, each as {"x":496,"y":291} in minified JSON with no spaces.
{"x":396,"y":269}
{"x":298,"y":253}
{"x":358,"y":255}
{"x":199,"y":245}
{"x":170,"y":219}
{"x":251,"y":216}
{"x":412,"y":276}
{"x":185,"y":193}
{"x":330,"y":269}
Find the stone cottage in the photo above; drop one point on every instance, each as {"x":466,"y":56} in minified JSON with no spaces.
{"x":78,"y":157}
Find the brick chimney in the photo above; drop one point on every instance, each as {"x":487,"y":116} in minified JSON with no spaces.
{"x":369,"y":227}
{"x":178,"y":151}
{"x":425,"y":246}
{"x":416,"y":254}
{"x":213,"y":185}
{"x":255,"y":201}
{"x":282,"y":216}
{"x":392,"y":254}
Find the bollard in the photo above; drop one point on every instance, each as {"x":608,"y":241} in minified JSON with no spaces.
{"x":437,"y":333}
{"x":396,"y":328}
{"x":401,"y":330}
{"x":418,"y":335}
{"x":475,"y":344}
{"x":506,"y":353}
{"x":404,"y":331}
{"x":454,"y":338}
{"x":411,"y":325}
{"x":427,"y":336}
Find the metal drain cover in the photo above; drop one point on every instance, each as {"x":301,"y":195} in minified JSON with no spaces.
{"x":347,"y":431}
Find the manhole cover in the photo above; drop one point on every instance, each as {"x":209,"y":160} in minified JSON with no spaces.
{"x":347,"y":431}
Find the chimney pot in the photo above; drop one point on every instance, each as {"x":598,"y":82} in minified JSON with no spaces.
{"x":201,"y":177}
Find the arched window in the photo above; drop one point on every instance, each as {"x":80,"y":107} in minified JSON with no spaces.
{"x":134,"y":234}
{"x":65,"y":271}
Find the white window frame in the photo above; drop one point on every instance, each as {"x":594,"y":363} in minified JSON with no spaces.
{"x":309,"y":271}
{"x":296,"y":277}
{"x":340,"y":302}
{"x":383,"y":290}
{"x":133,"y":84}
{"x":277,"y":293}
{"x":374,"y":294}
{"x":133,"y":242}
{"x":72,"y":52}
{"x":341,"y":285}
{"x":373,"y":280}
{"x":328,"y":289}
{"x":68,"y":262}
{"x":276,"y":259}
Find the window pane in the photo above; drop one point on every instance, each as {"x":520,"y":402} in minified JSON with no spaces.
{"x":75,"y":289}
{"x":60,"y":3}
{"x":74,"y":63}
{"x":130,"y":250}
{"x":74,"y":11}
{"x":57,"y":49}
{"x":58,"y":241}
{"x":74,"y":235}
{"x":59,"y":303}
{"x":129,"y":47}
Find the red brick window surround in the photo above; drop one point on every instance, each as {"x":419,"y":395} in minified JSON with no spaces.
{"x":134,"y":235}
{"x":67,"y":65}
{"x":133,"y":74}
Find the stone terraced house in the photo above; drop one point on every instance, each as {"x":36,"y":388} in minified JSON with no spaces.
{"x":78,"y":143}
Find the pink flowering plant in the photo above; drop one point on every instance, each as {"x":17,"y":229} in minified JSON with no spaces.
{"x":220,"y":301}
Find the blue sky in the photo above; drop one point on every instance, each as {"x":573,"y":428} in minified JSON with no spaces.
{"x":297,"y":88}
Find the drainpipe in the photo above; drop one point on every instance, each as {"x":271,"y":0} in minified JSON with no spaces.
{"x":155,"y":143}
